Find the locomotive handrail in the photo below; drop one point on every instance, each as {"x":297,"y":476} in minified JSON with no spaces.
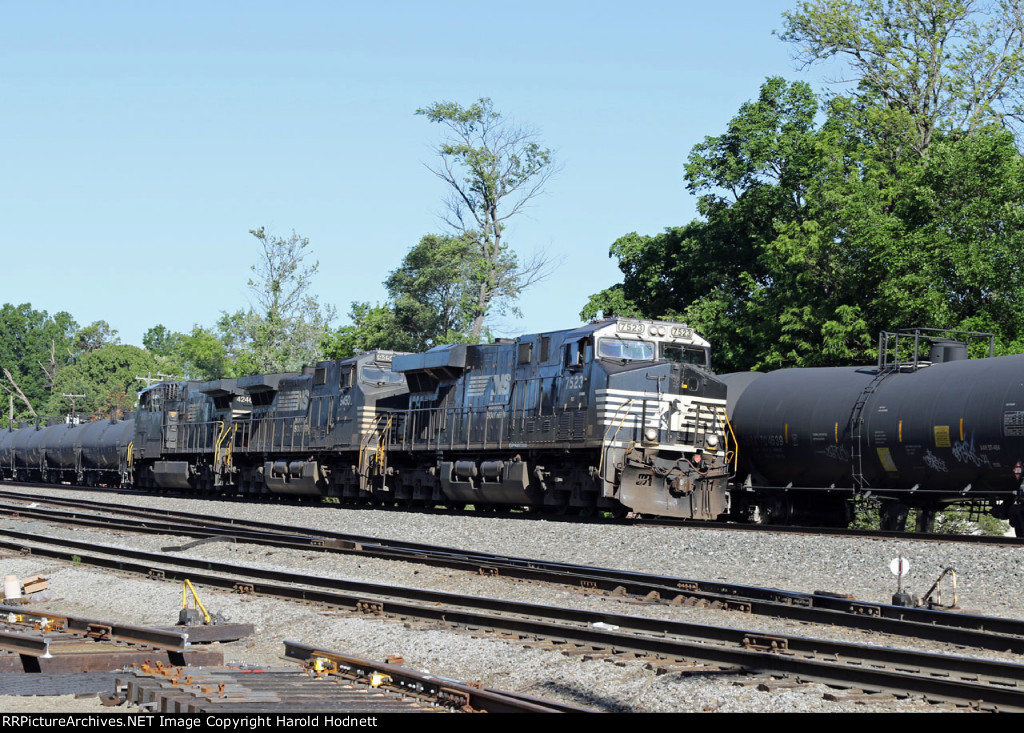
{"x":604,"y":439}
{"x":374,"y":431}
{"x":225,"y":431}
{"x":736,"y":454}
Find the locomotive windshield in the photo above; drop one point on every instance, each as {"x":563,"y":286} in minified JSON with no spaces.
{"x":682,"y":354}
{"x":626,"y":350}
{"x":369,"y":374}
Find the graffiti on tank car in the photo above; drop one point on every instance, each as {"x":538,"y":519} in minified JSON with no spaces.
{"x":837,"y":452}
{"x":934,"y":462}
{"x":964,"y":452}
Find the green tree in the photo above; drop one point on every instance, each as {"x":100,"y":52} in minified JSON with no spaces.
{"x":431,"y":300}
{"x":284,"y":328}
{"x":815,"y":237}
{"x":493,"y":170}
{"x":200,"y":354}
{"x":160,"y":340}
{"x":434,"y":291}
{"x":373,"y":327}
{"x":34,"y":347}
{"x":95,"y":336}
{"x":107,"y":376}
{"x":712,"y":272}
{"x":933,"y":65}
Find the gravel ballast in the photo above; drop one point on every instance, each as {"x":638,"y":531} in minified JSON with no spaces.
{"x":988,"y":582}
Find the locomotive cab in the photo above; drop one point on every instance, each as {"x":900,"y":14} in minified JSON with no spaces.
{"x":662,"y":413}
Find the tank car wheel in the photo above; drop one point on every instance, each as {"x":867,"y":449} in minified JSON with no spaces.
{"x":893,"y":516}
{"x":1015,"y":515}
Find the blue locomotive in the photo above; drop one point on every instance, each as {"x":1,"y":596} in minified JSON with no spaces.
{"x":622,"y":415}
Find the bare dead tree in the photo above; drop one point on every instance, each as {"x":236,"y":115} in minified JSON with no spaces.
{"x":15,"y":389}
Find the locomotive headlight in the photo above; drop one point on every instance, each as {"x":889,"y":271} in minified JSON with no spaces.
{"x":651,"y":435}
{"x":711,"y":441}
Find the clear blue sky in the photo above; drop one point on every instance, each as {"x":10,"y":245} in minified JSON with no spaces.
{"x":140,"y":142}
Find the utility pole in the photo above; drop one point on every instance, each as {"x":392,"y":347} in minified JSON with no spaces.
{"x":72,"y":397}
{"x":160,"y":377}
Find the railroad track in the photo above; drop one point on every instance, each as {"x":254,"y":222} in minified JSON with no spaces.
{"x":989,"y":540}
{"x":983,"y":684}
{"x":943,"y":626}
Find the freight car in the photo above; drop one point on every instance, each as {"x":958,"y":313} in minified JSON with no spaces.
{"x":619,"y":415}
{"x":913,"y":432}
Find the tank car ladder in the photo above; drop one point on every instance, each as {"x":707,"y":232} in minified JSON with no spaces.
{"x":857,"y":430}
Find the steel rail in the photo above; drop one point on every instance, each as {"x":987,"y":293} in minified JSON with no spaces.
{"x":982,"y":632}
{"x":175,"y":641}
{"x":642,"y":521}
{"x":881,"y":534}
{"x":422,"y":684}
{"x":32,"y":645}
{"x":990,"y":684}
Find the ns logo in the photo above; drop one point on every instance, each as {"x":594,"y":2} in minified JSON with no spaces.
{"x":501,"y":385}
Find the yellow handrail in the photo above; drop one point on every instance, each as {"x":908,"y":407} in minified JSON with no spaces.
{"x":736,"y":452}
{"x":604,"y":439}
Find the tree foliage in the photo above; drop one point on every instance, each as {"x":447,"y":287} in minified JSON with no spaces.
{"x":95,"y":336}
{"x":431,"y":300}
{"x":107,"y":376}
{"x":493,"y":170}
{"x":373,"y":327}
{"x":284,"y":327}
{"x":200,"y":354}
{"x":434,"y":291}
{"x":814,"y":237}
{"x":936,"y":65}
{"x":34,"y":347}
